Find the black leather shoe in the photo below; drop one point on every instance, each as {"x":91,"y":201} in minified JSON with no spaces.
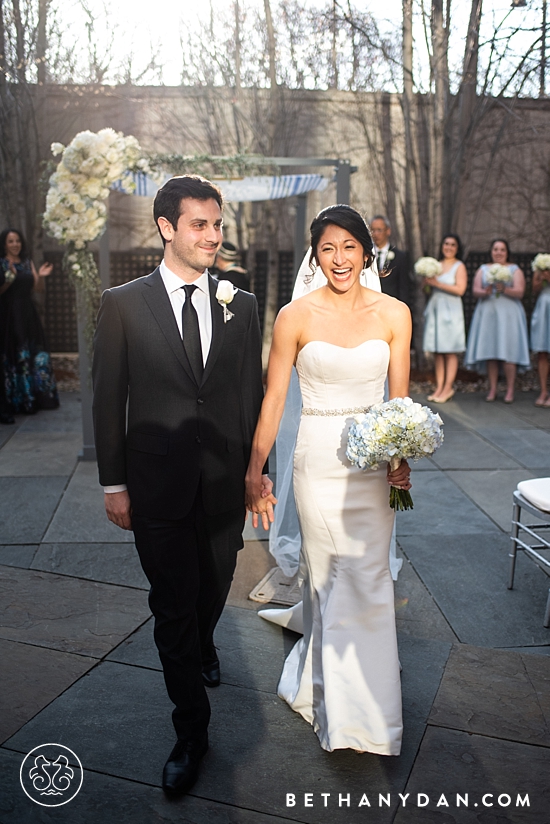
{"x":182,"y":768}
{"x":5,"y":417}
{"x":211,"y":674}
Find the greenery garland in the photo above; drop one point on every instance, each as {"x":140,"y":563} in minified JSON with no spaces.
{"x":228,"y":166}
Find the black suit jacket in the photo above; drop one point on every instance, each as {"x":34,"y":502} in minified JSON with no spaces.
{"x":398,"y":282}
{"x":156,"y":430}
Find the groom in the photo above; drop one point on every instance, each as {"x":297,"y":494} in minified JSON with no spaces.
{"x":177,"y":392}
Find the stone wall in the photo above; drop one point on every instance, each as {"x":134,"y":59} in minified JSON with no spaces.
{"x":505,"y":189}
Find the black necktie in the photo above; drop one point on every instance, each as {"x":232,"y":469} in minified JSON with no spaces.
{"x":191,"y":333}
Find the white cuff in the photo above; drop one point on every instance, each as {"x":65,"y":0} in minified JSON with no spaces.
{"x":117,"y":488}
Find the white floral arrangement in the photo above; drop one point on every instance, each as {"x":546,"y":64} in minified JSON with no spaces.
{"x":498,"y":273}
{"x":541,"y":263}
{"x":427,"y":267}
{"x":391,"y":431}
{"x":76,"y":212}
{"x":75,"y":205}
{"x":225,"y":293}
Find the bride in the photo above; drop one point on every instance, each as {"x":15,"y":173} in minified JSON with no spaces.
{"x":343,"y":675}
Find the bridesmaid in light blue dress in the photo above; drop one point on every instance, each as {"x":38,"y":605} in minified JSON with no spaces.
{"x":498,"y":331}
{"x":444,"y":333}
{"x":540,"y":332}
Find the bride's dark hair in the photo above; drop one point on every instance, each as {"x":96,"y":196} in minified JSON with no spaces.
{"x":346,"y":218}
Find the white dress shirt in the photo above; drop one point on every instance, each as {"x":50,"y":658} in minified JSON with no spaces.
{"x":201,"y":301}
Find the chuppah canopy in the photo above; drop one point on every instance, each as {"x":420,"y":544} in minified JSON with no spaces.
{"x":244,"y":189}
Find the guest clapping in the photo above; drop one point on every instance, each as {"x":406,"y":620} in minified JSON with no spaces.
{"x":540,"y":324}
{"x":29,"y":380}
{"x":498,"y":332}
{"x":444,"y":333}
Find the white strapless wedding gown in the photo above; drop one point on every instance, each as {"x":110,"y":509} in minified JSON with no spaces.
{"x":343,"y":675}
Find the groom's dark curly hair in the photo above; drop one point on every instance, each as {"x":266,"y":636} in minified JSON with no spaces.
{"x":346,"y":218}
{"x":168,"y":198}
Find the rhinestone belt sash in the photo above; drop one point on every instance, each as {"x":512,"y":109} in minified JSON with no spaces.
{"x":351,"y":410}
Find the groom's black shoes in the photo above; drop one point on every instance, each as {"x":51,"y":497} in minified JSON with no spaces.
{"x":182,"y":768}
{"x":211,"y":674}
{"x":210,"y":665}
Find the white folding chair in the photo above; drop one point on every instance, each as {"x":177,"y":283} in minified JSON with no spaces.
{"x":533,"y":497}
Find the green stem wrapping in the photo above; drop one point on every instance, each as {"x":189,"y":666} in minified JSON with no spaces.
{"x":400,"y":499}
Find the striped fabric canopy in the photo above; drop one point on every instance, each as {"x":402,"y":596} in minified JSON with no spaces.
{"x":263,"y":187}
{"x":271,"y":188}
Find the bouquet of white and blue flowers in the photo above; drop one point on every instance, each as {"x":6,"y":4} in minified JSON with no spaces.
{"x":390,"y":431}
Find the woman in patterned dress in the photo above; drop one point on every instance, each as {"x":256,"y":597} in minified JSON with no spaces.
{"x":29,"y":383}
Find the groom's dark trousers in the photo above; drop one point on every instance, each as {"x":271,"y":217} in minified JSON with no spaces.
{"x":182,"y":449}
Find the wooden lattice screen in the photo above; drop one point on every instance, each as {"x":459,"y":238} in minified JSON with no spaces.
{"x":60,"y":314}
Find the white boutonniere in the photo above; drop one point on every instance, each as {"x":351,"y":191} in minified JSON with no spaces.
{"x":224,"y":295}
{"x":390,"y":255}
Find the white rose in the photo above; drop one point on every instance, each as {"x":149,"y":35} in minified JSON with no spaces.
{"x":57,"y":149}
{"x":65,"y":187}
{"x":92,"y":188}
{"x":225,"y":292}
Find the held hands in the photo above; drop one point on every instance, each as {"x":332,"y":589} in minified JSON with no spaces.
{"x":400,"y":477}
{"x":260,"y":500}
{"x":119,"y":509}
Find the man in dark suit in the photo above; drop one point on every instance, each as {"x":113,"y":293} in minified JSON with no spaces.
{"x":177,"y":393}
{"x":394,"y":261}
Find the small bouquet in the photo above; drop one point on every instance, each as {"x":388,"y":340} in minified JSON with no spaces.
{"x":541,"y":263}
{"x":9,"y":274}
{"x":390,"y":431}
{"x":499,"y":274}
{"x":427,"y":267}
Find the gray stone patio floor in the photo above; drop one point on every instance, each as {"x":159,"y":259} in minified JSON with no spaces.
{"x":79,"y":667}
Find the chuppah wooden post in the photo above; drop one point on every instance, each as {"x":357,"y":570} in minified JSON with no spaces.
{"x":88,"y":443}
{"x":343,"y":171}
{"x":88,"y":447}
{"x":300,"y":231}
{"x":104,"y":256}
